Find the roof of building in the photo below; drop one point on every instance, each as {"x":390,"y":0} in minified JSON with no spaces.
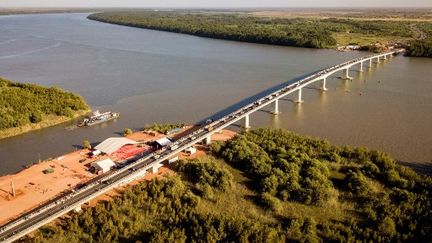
{"x":113,"y":144}
{"x":105,"y":164}
{"x":163,"y":141}
{"x":190,"y":149}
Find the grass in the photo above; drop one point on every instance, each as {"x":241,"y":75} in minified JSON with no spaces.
{"x":364,"y":40}
{"x":239,"y":201}
{"x":361,"y":14}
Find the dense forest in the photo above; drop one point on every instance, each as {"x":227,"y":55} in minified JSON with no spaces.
{"x":22,"y":104}
{"x":420,"y":48}
{"x":300,"y":32}
{"x":264,"y":186}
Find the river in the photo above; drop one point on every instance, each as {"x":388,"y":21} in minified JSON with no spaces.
{"x":152,"y":76}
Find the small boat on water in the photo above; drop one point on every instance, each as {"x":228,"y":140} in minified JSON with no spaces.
{"x":97,"y":118}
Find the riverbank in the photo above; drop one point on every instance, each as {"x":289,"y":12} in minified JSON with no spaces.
{"x":51,"y":120}
{"x":344,"y":33}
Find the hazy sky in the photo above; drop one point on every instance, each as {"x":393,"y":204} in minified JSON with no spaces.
{"x":215,"y":3}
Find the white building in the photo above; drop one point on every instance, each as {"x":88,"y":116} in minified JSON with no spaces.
{"x":163,"y":142}
{"x":110,"y":145}
{"x":103,"y":166}
{"x":95,"y":153}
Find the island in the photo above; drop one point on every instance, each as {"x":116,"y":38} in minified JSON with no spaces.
{"x":27,"y":107}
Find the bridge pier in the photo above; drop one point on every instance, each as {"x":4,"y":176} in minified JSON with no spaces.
{"x":207,"y":140}
{"x":246,"y":122}
{"x":299,"y":99}
{"x":361,"y":66}
{"x":370,"y":62}
{"x":323,"y":84}
{"x":78,"y":209}
{"x":276,"y":107}
{"x":346,"y":72}
{"x":155,"y":168}
{"x":385,"y":57}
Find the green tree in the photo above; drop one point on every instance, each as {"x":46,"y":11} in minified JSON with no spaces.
{"x":127,"y":132}
{"x":86,"y":144}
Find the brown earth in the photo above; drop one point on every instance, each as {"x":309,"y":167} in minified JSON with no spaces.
{"x":33,"y":187}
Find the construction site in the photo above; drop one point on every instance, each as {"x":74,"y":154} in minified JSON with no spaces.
{"x":40,"y":183}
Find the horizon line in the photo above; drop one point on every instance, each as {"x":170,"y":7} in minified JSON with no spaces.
{"x":219,"y":7}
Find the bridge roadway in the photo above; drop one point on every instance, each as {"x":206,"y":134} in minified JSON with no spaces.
{"x":70,"y":200}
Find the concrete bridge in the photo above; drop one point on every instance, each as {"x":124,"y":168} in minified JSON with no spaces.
{"x":273,"y":98}
{"x":137,"y":168}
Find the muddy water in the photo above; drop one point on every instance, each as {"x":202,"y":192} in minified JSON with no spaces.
{"x":151,"y":76}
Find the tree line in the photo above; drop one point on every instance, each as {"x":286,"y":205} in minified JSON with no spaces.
{"x":299,"y":32}
{"x":420,"y":48}
{"x":164,"y":128}
{"x":229,"y":27}
{"x":21,"y":104}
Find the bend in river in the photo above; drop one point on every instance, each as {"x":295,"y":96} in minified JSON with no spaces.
{"x":152,"y":76}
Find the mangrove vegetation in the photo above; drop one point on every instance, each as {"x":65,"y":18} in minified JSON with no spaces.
{"x":25,"y":104}
{"x":164,"y":128}
{"x":420,"y":48}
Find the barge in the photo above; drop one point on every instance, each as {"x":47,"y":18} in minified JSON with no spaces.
{"x":97,"y":118}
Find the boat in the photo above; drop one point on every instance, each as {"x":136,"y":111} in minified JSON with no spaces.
{"x":97,"y":118}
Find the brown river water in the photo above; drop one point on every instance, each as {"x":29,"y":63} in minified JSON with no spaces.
{"x":153,"y":76}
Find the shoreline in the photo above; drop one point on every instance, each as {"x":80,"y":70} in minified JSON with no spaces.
{"x":51,"y":120}
{"x":333,"y":40}
{"x":201,"y":36}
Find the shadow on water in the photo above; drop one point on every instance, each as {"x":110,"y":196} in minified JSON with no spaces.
{"x":265,"y":111}
{"x":288,"y":99}
{"x":119,"y":133}
{"x":424,"y":168}
{"x":77,"y":146}
{"x":221,"y":113}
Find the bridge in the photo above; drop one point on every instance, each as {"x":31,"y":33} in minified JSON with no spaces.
{"x":72,"y":200}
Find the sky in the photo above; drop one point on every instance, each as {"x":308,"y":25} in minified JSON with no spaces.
{"x":214,"y":3}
